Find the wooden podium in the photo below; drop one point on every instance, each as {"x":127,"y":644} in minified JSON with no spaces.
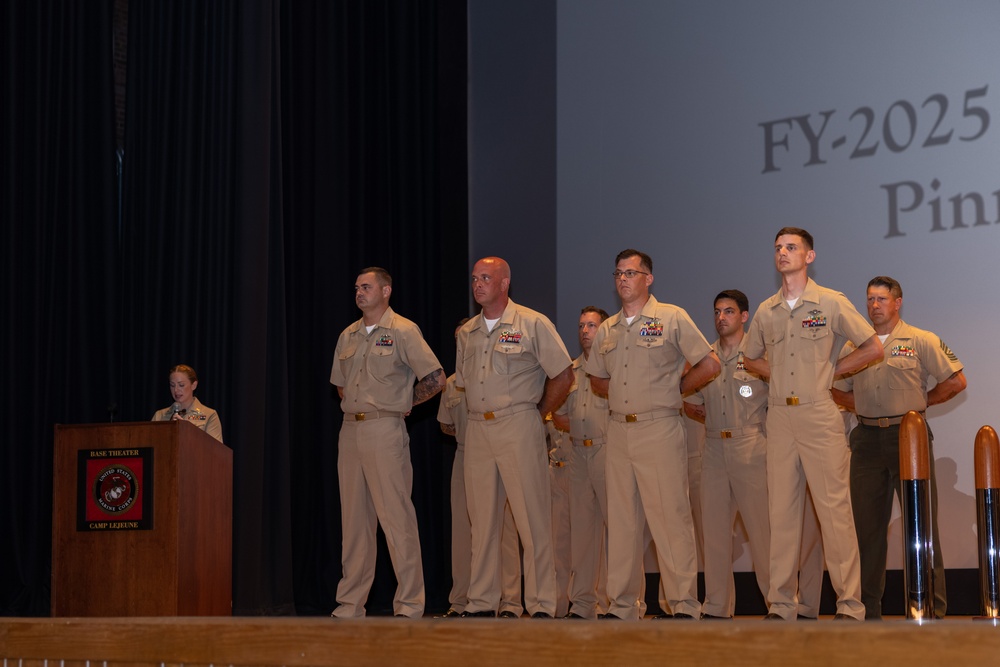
{"x":141,"y":521}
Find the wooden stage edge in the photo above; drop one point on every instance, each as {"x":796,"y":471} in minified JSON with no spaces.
{"x":481,"y":642}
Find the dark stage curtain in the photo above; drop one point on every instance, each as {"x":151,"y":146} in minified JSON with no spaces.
{"x":58,"y":263}
{"x":272,"y":150}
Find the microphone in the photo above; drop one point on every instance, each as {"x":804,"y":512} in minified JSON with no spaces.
{"x":178,"y":410}
{"x":112,"y":411}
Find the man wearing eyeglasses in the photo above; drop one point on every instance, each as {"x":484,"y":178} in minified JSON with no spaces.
{"x":639,"y":358}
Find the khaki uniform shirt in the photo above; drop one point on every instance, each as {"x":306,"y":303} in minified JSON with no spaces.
{"x":644,"y":360}
{"x":509,"y":365}
{"x":897,"y":383}
{"x":377,"y":370}
{"x":802,"y":345}
{"x":200,"y":415}
{"x":452,"y":409}
{"x":587,"y":412}
{"x":735,"y":398}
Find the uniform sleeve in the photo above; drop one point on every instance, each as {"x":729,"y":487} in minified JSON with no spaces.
{"x":444,"y":414}
{"x":214,"y":426}
{"x":417,"y":353}
{"x":689,"y":339}
{"x":941,"y":363}
{"x":851,"y":324}
{"x":337,"y":378}
{"x":594,"y":365}
{"x":752,"y":345}
{"x":549,"y":349}
{"x":460,"y":342}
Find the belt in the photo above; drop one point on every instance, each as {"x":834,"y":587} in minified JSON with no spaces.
{"x":882,"y":422}
{"x":589,"y":442}
{"x":645,"y":416}
{"x":736,"y":432}
{"x":368,"y":416}
{"x":802,"y":399}
{"x":505,"y":412}
{"x":557,"y":464}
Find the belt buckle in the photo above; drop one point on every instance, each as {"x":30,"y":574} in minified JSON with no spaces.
{"x":792,"y":400}
{"x":588,"y":443}
{"x":631,"y":418}
{"x":359,"y":417}
{"x":489,"y":415}
{"x":725,"y":434}
{"x":883,"y":422}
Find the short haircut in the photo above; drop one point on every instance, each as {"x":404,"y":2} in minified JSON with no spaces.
{"x":644,"y":260}
{"x":890,"y":283}
{"x":381,"y":275}
{"x":739,"y":297}
{"x":797,"y":231}
{"x":594,"y":309}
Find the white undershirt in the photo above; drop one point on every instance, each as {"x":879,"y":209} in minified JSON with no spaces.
{"x":882,"y":337}
{"x":628,"y":320}
{"x":371,"y":328}
{"x":490,"y":323}
{"x":791,"y":303}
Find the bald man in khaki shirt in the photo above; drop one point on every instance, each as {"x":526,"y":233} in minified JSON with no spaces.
{"x":515,"y":370}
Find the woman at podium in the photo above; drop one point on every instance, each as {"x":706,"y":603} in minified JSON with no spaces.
{"x":186,"y":407}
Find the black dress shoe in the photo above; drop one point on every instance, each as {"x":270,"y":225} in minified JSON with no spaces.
{"x":800,"y":617}
{"x":681,"y":616}
{"x":662,"y":616}
{"x":541,"y":614}
{"x":486,"y":613}
{"x":451,"y":613}
{"x":709,"y":617}
{"x":575,"y":615}
{"x":845,"y":617}
{"x":774,"y":617}
{"x":609,"y":617}
{"x":508,"y":614}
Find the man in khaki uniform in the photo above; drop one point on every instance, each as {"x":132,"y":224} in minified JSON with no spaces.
{"x":584,"y":416}
{"x":802,"y":329}
{"x":734,"y":463}
{"x":375,"y":364}
{"x":514,"y":369}
{"x":638,"y":361}
{"x":453,"y":417}
{"x":880,"y":394}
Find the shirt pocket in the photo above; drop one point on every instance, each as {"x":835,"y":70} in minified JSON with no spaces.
{"x":381,"y":359}
{"x":511,"y":359}
{"x":817,"y":343}
{"x":346,"y":359}
{"x":609,"y":353}
{"x":903,"y":372}
{"x":774,"y":343}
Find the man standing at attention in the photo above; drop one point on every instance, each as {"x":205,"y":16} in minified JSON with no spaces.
{"x":584,"y":416}
{"x":637,"y":361}
{"x":802,"y":329}
{"x":515,"y":370}
{"x":375,"y":364}
{"x":880,"y":394}
{"x":734,"y":463}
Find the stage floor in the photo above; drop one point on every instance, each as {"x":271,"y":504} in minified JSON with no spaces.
{"x":481,"y":642}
